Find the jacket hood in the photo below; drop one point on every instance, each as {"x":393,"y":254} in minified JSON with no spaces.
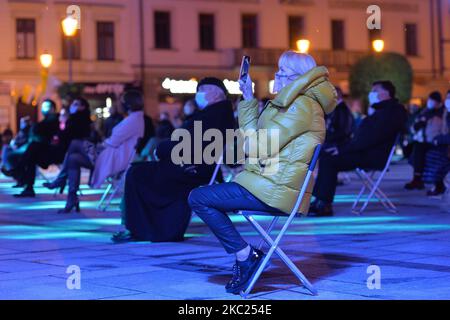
{"x":313,"y":84}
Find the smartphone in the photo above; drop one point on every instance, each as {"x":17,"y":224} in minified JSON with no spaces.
{"x":245,"y":66}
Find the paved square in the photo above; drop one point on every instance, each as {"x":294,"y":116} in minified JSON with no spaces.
{"x":411,"y":248}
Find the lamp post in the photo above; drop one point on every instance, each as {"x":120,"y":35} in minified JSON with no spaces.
{"x":378,"y":45}
{"x":303,"y":45}
{"x":46,"y":60}
{"x":69,"y":25}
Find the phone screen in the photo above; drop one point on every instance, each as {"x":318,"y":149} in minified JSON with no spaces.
{"x":245,"y":66}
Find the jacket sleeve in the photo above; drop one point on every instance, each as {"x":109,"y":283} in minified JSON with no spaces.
{"x":121,"y":133}
{"x":284,"y":126}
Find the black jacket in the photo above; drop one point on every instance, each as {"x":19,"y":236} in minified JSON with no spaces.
{"x":45,"y":130}
{"x":377,"y":133}
{"x":149,"y":132}
{"x":339,"y":125}
{"x":216,"y":116}
{"x":78,"y":126}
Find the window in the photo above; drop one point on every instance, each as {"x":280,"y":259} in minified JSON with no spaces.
{"x":25,"y":38}
{"x":162,"y":30}
{"x":249,"y":31}
{"x":374,"y":34}
{"x":337,"y":35}
{"x":75,"y":46}
{"x":296,"y":30}
{"x":105,"y":41}
{"x":411,"y":39}
{"x":207,"y":32}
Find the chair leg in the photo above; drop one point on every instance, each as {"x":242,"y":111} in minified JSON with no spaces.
{"x":111,"y":196}
{"x":274,"y":248}
{"x":269,"y":230}
{"x":374,"y":190}
{"x":103,"y":198}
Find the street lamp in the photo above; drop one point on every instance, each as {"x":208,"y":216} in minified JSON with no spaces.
{"x":303,"y":45}
{"x":69,"y":25}
{"x":378,"y":45}
{"x":46,"y":60}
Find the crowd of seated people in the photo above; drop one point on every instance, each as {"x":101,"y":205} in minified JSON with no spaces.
{"x":430,"y":145}
{"x":161,"y":194}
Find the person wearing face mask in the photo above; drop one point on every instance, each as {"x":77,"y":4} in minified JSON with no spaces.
{"x":438,"y":158}
{"x":296,"y":115}
{"x":369,"y":147}
{"x":77,"y":127}
{"x":155,"y":206}
{"x":107,"y":159}
{"x":12,"y":152}
{"x":427,"y":126}
{"x":37,"y":150}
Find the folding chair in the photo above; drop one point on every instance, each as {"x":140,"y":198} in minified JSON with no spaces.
{"x":368,"y":180}
{"x":274,"y":244}
{"x":115,"y":185}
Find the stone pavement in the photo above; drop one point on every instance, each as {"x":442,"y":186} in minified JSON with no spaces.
{"x":411,"y":248}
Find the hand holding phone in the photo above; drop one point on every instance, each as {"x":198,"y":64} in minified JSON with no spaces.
{"x":245,"y":66}
{"x":245,"y":82}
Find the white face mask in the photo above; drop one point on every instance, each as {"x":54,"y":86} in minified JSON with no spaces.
{"x":447,"y":104}
{"x":200,"y":99}
{"x":373,"y":98}
{"x":430,"y":104}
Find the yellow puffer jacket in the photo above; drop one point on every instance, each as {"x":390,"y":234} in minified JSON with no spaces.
{"x":297,"y":114}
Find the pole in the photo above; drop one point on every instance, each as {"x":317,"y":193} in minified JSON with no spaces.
{"x":69,"y":49}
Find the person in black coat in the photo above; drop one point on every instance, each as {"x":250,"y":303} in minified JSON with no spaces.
{"x":37,"y":151}
{"x":155,"y":206}
{"x":368,"y":149}
{"x":78,"y":127}
{"x":339,"y":124}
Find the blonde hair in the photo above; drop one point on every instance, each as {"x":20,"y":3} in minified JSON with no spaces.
{"x":299,"y":63}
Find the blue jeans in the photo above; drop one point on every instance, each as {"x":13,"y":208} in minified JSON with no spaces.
{"x":212,"y":203}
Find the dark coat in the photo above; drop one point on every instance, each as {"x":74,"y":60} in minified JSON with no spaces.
{"x":215,"y":116}
{"x":78,"y":126}
{"x":377,"y":133}
{"x":155,"y":200}
{"x":45,"y":130}
{"x":339,"y":125}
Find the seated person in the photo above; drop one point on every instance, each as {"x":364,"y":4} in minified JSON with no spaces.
{"x":339,"y":124}
{"x":37,"y":151}
{"x":155,"y":206}
{"x":427,"y":126}
{"x":271,"y":183}
{"x":368,"y":149}
{"x":74,"y":126}
{"x":108,"y":159}
{"x":439,"y":156}
{"x":11,"y":153}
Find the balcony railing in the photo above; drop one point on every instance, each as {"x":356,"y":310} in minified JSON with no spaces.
{"x":341,"y":60}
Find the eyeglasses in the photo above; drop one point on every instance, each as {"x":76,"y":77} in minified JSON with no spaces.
{"x":279,"y":75}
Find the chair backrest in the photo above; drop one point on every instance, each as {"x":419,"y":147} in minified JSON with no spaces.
{"x":304,"y":186}
{"x":391,"y":153}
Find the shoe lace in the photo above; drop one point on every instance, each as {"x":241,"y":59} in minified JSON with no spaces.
{"x":236,"y":274}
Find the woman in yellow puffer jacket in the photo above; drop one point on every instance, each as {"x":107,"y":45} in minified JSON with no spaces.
{"x":294,"y":123}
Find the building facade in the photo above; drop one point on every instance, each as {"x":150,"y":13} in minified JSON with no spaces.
{"x":164,"y":46}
